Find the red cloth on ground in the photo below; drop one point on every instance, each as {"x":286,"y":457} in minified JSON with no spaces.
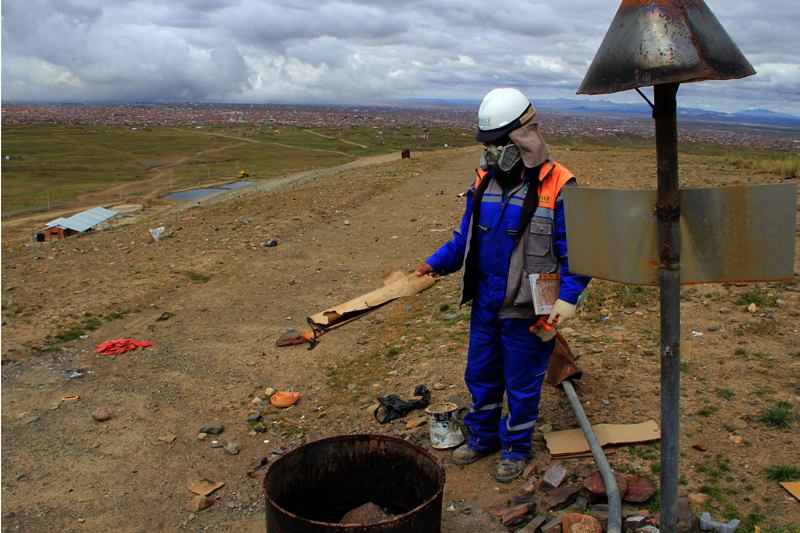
{"x":120,"y":346}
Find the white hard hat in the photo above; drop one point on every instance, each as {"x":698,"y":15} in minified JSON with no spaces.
{"x":499,"y":113}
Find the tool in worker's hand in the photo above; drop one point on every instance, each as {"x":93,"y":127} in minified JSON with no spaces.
{"x":542,"y":323}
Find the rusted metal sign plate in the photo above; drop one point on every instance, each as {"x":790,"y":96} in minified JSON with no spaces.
{"x":727,"y":234}
{"x":663,"y":41}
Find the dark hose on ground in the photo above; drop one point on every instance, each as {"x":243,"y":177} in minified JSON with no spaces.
{"x":614,"y":502}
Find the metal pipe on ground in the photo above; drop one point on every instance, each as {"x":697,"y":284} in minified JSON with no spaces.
{"x":614,"y":500}
{"x":561,"y":368}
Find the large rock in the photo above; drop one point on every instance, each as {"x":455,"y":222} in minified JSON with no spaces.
{"x":687,"y":521}
{"x":199,"y":503}
{"x":735,"y":424}
{"x":214,"y":429}
{"x":369,"y":513}
{"x":579,"y":523}
{"x":101,"y":415}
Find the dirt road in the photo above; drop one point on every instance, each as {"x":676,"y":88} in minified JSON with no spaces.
{"x":228,"y":298}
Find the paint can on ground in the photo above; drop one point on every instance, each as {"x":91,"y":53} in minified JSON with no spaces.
{"x":443,"y":425}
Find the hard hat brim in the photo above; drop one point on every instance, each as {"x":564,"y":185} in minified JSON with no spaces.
{"x":492,"y":135}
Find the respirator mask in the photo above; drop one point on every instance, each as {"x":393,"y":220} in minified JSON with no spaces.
{"x":500,"y":158}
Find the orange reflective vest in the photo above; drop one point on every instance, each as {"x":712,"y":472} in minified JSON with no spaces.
{"x":552,"y":177}
{"x":537,"y":215}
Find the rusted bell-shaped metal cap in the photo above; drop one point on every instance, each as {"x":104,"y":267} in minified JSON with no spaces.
{"x":663,"y":41}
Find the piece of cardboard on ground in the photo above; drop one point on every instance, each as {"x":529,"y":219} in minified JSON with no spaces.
{"x":573,"y":441}
{"x":396,"y":285}
{"x":793,"y":487}
{"x":205,"y":487}
{"x":608,"y":450}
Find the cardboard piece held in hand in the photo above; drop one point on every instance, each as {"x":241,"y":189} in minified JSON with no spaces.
{"x":396,"y":285}
{"x":572,"y":441}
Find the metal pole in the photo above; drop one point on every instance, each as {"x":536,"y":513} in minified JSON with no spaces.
{"x":668,"y":212}
{"x":612,"y":490}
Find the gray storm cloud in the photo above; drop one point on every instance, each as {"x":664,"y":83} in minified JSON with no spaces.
{"x":318,"y":51}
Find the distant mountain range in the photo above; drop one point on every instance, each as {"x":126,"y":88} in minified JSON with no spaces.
{"x":761,"y":117}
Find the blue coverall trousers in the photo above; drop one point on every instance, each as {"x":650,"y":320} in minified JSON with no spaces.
{"x":504,"y":356}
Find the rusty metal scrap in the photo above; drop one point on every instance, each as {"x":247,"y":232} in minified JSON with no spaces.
{"x":662,"y":41}
{"x":728,"y":234}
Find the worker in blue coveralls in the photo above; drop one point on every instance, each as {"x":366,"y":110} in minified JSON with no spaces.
{"x":513,"y":226}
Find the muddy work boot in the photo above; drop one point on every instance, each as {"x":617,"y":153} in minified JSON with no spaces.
{"x":464,"y":455}
{"x":509,"y":470}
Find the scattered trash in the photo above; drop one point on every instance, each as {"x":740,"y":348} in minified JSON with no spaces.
{"x":252,"y":473}
{"x":169,"y":439}
{"x":706,"y":524}
{"x":205,"y":487}
{"x":572,"y":442}
{"x":443,"y":426}
{"x":697,"y":334}
{"x":292,"y":337}
{"x":393,"y":407}
{"x":793,"y":487}
{"x":70,"y":399}
{"x":164,"y":316}
{"x":270,"y":243}
{"x":156,"y":233}
{"x":284,"y":399}
{"x":120,"y":346}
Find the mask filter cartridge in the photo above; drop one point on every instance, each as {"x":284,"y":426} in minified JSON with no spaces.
{"x":500,"y":158}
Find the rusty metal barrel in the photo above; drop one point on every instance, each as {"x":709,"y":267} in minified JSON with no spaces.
{"x":310,"y":489}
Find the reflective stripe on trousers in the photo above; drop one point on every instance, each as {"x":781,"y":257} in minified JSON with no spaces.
{"x":504,"y":357}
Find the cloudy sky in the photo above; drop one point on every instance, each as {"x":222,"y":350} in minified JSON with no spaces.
{"x":356,"y":51}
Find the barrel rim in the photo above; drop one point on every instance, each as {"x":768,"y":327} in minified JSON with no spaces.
{"x":351,"y":437}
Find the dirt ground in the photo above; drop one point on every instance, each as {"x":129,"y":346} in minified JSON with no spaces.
{"x":228,"y":298}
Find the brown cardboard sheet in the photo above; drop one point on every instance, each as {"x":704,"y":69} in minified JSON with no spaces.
{"x":396,"y":285}
{"x":793,"y":487}
{"x":572,"y":441}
